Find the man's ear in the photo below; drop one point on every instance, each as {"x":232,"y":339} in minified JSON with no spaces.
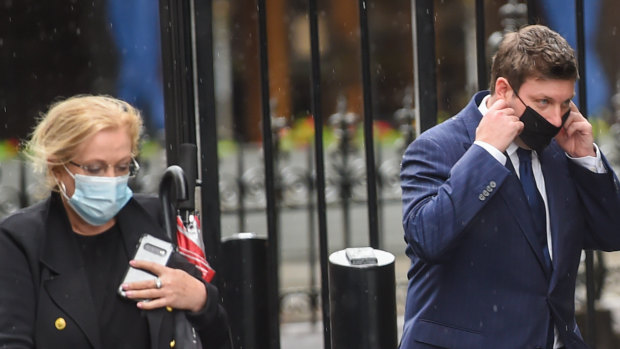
{"x":502,"y":88}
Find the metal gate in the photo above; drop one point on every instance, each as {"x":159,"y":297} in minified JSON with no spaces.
{"x":188,"y":57}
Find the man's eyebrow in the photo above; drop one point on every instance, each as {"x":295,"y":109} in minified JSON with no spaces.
{"x":570,"y":99}
{"x":543,"y":96}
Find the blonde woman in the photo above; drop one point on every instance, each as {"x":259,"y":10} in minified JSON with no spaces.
{"x":63,"y":259}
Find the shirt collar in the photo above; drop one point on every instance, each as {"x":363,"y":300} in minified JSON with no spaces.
{"x":483,"y":105}
{"x":512,"y":148}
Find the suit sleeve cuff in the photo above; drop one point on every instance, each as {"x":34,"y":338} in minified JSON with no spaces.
{"x":592,"y":163}
{"x":498,"y":155}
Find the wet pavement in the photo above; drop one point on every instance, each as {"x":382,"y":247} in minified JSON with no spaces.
{"x":303,"y":334}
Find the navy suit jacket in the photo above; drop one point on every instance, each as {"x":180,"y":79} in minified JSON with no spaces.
{"x":477,"y":278}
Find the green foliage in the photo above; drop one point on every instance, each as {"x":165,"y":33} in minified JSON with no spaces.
{"x":599,"y":127}
{"x":9,"y":149}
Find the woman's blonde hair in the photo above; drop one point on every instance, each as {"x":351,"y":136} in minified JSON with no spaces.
{"x":70,"y":122}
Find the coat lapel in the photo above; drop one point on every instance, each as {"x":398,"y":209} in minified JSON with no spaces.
{"x":513,"y":196}
{"x":133,"y":225}
{"x":67,"y":282}
{"x":471,"y":117}
{"x":155,"y":319}
{"x":553,"y":186}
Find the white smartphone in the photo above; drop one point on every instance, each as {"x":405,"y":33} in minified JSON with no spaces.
{"x":150,"y":249}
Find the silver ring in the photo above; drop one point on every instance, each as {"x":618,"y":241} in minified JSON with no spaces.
{"x":158,"y":283}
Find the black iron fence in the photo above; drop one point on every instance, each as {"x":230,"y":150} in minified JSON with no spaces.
{"x":345,"y":175}
{"x":355,"y":171}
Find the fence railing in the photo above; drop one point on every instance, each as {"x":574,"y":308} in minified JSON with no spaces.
{"x":347,"y":175}
{"x":335,"y":177}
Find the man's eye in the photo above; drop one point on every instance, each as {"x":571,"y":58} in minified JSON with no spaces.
{"x":543,"y":101}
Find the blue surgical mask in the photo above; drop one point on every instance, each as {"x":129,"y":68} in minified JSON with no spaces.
{"x":98,"y":199}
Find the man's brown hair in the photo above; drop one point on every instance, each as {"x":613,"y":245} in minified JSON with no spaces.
{"x":533,"y":51}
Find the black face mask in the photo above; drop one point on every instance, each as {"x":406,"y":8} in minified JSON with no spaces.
{"x":538,"y":132}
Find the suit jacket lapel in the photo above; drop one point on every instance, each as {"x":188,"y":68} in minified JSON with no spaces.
{"x":553,"y":186}
{"x":512,"y":192}
{"x":67,"y":284}
{"x":471,"y":117}
{"x":513,"y":196}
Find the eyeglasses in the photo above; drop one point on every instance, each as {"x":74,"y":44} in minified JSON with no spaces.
{"x":99,"y":168}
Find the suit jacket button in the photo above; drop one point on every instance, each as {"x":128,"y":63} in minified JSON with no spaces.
{"x":481,"y":197}
{"x":485,"y":193}
{"x":60,"y":324}
{"x":172,"y":343}
{"x":169,"y":308}
{"x":492,"y":184}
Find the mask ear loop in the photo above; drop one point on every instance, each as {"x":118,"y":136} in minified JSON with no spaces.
{"x":516,"y":94}
{"x":61,"y":185}
{"x":61,"y":188}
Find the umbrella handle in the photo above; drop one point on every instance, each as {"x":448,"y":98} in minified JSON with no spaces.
{"x":172,"y":190}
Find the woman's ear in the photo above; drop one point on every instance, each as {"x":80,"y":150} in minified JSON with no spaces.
{"x":54,"y":169}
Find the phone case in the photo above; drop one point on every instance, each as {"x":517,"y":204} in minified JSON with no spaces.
{"x":150,"y":249}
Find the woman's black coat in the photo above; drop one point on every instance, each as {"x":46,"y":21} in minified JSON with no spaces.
{"x":42,"y":280}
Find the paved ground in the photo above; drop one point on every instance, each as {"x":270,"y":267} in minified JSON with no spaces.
{"x":306,"y":335}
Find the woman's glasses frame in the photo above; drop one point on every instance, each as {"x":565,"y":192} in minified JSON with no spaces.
{"x":99,"y":168}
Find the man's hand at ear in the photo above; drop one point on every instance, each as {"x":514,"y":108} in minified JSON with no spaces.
{"x":576,"y":137}
{"x":499,"y":126}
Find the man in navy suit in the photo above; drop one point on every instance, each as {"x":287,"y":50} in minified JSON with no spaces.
{"x":498,"y":203}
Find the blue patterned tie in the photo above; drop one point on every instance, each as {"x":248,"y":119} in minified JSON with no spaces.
{"x":537,"y":205}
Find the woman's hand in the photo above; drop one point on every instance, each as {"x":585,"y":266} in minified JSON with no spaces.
{"x":178,"y":290}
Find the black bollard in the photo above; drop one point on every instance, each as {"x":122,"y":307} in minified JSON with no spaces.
{"x":245,"y":290}
{"x":362,"y":293}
